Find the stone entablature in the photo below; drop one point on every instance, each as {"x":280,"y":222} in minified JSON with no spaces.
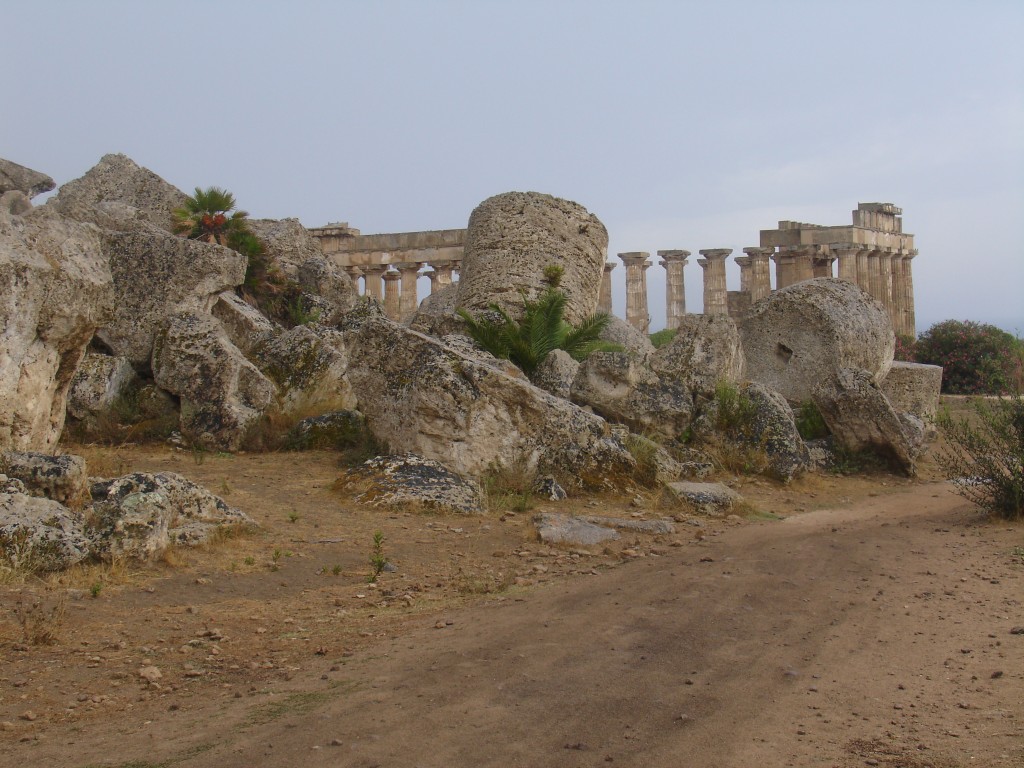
{"x":347,"y":248}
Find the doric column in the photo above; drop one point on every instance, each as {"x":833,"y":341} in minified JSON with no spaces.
{"x":899,"y":294}
{"x":875,"y":274}
{"x":442,"y":275}
{"x":409,"y":272}
{"x":803,"y":263}
{"x":793,"y":265}
{"x":456,"y":267}
{"x":821,"y":264}
{"x":846,"y":254}
{"x":392,"y":298}
{"x":716,"y":298}
{"x":372,"y":274}
{"x":885,"y":282}
{"x":604,"y":301}
{"x":760,"y":272}
{"x":636,"y":289}
{"x":744,"y":264}
{"x":863,"y":269}
{"x":675,"y":286}
{"x":354,"y":273}
{"x":910,"y":321}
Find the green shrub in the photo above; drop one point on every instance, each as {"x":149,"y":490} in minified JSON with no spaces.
{"x":809,"y":422}
{"x":976,"y":358}
{"x":985,"y":459}
{"x":734,"y":412}
{"x":664,"y":336}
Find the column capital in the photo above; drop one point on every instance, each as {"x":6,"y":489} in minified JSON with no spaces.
{"x":743,"y":261}
{"x":674,"y":255}
{"x":354,"y":271}
{"x":715,"y":254}
{"x":609,"y":266}
{"x":406,"y":265}
{"x":756,"y":252}
{"x":911,"y":253}
{"x":634,"y":258}
{"x":845,"y":247}
{"x":391,"y":275}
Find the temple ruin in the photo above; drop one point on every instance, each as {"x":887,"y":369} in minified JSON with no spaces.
{"x":873,"y":252}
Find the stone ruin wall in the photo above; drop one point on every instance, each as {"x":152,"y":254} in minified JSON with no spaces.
{"x":873,"y":252}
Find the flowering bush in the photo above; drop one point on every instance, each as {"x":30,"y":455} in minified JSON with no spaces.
{"x":976,"y":358}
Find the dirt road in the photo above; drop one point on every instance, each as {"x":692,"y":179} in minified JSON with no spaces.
{"x":876,"y":633}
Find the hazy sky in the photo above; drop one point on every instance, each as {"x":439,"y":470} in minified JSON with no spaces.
{"x":679,"y":124}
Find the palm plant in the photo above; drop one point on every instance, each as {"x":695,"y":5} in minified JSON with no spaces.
{"x":543,"y":329}
{"x":210,"y":215}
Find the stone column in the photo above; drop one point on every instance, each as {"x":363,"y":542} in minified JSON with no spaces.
{"x":846,"y":254}
{"x":675,"y":286}
{"x":744,"y":264}
{"x":409,"y":272}
{"x":372,"y":274}
{"x":604,"y":301}
{"x":792,"y":265}
{"x":456,"y":267}
{"x":716,"y":298}
{"x":442,"y":274}
{"x":803,"y":263}
{"x":909,"y":320}
{"x":636,"y":289}
{"x":392,"y":298}
{"x":354,"y":273}
{"x":864,"y":269}
{"x":899,"y":294}
{"x":885,"y":282}
{"x":760,"y":272}
{"x":821,"y":264}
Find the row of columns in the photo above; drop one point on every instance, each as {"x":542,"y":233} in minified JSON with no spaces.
{"x":884,"y":273}
{"x":395,"y":285}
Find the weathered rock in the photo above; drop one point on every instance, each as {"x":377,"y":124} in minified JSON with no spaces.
{"x":12,"y":485}
{"x":308,"y":368}
{"x":914,"y":388}
{"x":512,"y":237}
{"x":419,"y":395}
{"x":654,"y":527}
{"x":713,"y":499}
{"x":436,"y":316}
{"x":704,"y":352}
{"x":287,"y":241}
{"x":157,"y":274}
{"x":138,"y":516}
{"x":15,"y":203}
{"x":118,"y":179}
{"x":18,"y":178}
{"x":335,"y":430}
{"x":860,"y":418}
{"x":55,"y":290}
{"x":413,"y":481}
{"x":618,"y":331}
{"x":40,"y":534}
{"x":803,"y":335}
{"x":549,"y":488}
{"x":60,"y":478}
{"x":468,"y":348}
{"x":320,"y":277}
{"x":556,"y":373}
{"x":100,"y":382}
{"x":621,"y":388}
{"x":567,"y":530}
{"x":773,"y":428}
{"x":245,"y":325}
{"x":655,"y":465}
{"x":221,"y":392}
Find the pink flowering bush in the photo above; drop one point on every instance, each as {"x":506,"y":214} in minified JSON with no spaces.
{"x":976,"y":358}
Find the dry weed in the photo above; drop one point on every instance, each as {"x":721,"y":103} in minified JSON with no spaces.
{"x":39,"y":617}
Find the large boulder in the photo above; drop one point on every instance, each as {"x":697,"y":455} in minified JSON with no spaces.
{"x":287,"y":241}
{"x":61,"y":478}
{"x":435,"y":316}
{"x":622,"y":389}
{"x":245,"y":325}
{"x":40,"y":534}
{"x":619,"y":332}
{"x":157,"y":274}
{"x":308,"y":368}
{"x":705,"y":351}
{"x":556,"y":373}
{"x":512,"y":237}
{"x":860,"y":418}
{"x":138,"y":516}
{"x":412,"y":482}
{"x":118,"y":179}
{"x":803,"y":335}
{"x":773,"y":427}
{"x":422,"y":396}
{"x":914,"y":388}
{"x":18,"y":178}
{"x":323,"y":279}
{"x":100,"y":383}
{"x":55,"y":291}
{"x":222,"y":393}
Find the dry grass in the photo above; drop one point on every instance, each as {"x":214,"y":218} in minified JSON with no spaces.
{"x":40,"y":617}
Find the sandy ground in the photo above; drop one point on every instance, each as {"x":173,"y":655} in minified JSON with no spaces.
{"x":873,"y":625}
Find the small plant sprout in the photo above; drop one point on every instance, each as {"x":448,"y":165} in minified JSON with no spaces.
{"x":336,"y":570}
{"x":293,"y":517}
{"x":377,"y":557}
{"x":250,"y":560}
{"x":95,"y":589}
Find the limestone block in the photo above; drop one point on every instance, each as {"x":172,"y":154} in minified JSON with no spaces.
{"x":140,"y":515}
{"x":40,"y":534}
{"x":157,"y":274}
{"x":289,"y":242}
{"x":436,"y":316}
{"x":422,"y":396}
{"x":705,"y":351}
{"x":803,"y":335}
{"x":712,"y":499}
{"x":100,"y":381}
{"x":321,"y":278}
{"x":774,"y":429}
{"x":61,"y":478}
{"x":618,"y":331}
{"x":245,"y":325}
{"x":118,"y":179}
{"x":55,"y":290}
{"x":512,"y":237}
{"x":860,"y":418}
{"x":15,"y":202}
{"x":914,"y":388}
{"x":622,"y":389}
{"x":335,"y":430}
{"x":308,"y":366}
{"x":571,"y":531}
{"x":653,"y":527}
{"x":556,"y":373}
{"x":413,"y":481}
{"x":221,"y":392}
{"x":18,"y":178}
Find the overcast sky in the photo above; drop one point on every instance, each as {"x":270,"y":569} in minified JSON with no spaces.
{"x":679,"y":124}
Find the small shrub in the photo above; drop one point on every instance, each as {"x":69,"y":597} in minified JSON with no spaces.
{"x":809,"y":422}
{"x":664,"y":336}
{"x":40,"y":620}
{"x":985,"y":460}
{"x":976,"y":358}
{"x":645,"y":452}
{"x":734,"y":412}
{"x":378,"y":560}
{"x":510,"y":487}
{"x":735,"y":444}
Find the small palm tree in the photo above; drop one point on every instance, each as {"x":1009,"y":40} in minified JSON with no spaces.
{"x":543,"y":329}
{"x":210,"y":215}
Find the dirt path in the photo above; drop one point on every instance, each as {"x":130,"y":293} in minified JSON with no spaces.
{"x":876,"y":633}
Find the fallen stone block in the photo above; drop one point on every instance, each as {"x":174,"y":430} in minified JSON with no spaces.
{"x":712,"y":499}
